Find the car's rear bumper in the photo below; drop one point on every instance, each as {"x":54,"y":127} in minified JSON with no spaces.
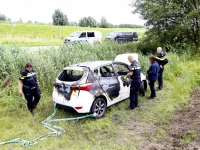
{"x":81,"y":101}
{"x":64,"y":107}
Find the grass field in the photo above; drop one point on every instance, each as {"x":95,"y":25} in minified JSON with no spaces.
{"x":90,"y":134}
{"x":47,"y":35}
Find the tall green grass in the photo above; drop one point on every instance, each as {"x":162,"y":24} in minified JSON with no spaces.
{"x":180,"y":76}
{"x":49,"y":63}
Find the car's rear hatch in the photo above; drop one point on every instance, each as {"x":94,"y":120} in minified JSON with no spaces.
{"x":71,"y":78}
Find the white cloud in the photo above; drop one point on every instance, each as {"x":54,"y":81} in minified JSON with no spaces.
{"x":115,"y":11}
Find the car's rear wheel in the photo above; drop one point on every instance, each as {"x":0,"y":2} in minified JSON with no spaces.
{"x":119,"y":41}
{"x":142,"y":88}
{"x":99,"y":107}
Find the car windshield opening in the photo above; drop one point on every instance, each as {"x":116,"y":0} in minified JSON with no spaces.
{"x":71,"y":75}
{"x":75,"y":34}
{"x":113,"y":34}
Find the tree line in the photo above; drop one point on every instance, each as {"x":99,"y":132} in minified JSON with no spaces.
{"x":4,"y":18}
{"x":61,"y":19}
{"x":174,"y":24}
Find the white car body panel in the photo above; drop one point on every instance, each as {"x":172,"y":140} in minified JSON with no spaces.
{"x":124,"y":58}
{"x":82,"y":99}
{"x":91,"y":40}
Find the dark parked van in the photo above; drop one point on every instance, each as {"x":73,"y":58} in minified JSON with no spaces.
{"x":122,"y":37}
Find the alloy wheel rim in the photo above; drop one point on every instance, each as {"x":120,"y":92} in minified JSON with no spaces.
{"x":99,"y":107}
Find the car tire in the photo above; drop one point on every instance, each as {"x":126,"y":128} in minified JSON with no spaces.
{"x":99,"y":107}
{"x":142,"y":88}
{"x":119,"y":41}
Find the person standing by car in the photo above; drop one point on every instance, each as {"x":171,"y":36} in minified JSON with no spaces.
{"x":28,"y":84}
{"x":152,"y":75}
{"x":134,"y":74}
{"x":161,"y":60}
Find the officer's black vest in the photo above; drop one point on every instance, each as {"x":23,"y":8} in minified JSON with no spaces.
{"x":136,"y":69}
{"x":28,"y":78}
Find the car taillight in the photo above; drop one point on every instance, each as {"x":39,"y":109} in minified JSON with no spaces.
{"x":55,"y":85}
{"x":85,"y":87}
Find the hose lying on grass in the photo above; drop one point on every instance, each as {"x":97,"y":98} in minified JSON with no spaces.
{"x":55,"y":130}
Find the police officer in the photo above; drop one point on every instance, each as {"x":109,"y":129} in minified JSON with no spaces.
{"x":152,"y":75}
{"x":28,"y":84}
{"x":134,"y":74}
{"x":161,"y":60}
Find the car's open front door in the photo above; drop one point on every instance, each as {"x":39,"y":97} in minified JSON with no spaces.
{"x":109,"y":82}
{"x":121,"y":70}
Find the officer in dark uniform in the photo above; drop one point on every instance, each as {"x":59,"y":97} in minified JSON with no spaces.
{"x":28,"y":84}
{"x":161,"y":60}
{"x":134,"y":74}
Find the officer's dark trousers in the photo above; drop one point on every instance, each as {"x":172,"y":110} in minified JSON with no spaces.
{"x":134,"y":93}
{"x":152,"y":88}
{"x":160,"y":78}
{"x":29,"y":95}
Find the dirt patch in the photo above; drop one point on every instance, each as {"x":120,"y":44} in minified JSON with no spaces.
{"x":185,"y":128}
{"x":183,"y":133}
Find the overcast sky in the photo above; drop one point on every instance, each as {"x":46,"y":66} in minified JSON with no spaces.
{"x":115,"y":11}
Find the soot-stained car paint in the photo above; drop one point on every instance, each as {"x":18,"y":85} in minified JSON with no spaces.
{"x":98,"y":86}
{"x":110,"y":89}
{"x":65,"y":90}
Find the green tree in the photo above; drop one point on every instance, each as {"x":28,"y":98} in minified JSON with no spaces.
{"x":104,"y":23}
{"x":29,"y":22}
{"x":59,"y":18}
{"x":87,"y":22}
{"x":170,"y":21}
{"x":20,"y":20}
{"x":3,"y":17}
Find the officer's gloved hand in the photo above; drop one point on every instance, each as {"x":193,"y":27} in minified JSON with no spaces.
{"x":125,"y":84}
{"x":125,"y":81}
{"x":124,"y":78}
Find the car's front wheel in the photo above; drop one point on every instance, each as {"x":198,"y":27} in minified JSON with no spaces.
{"x":99,"y":107}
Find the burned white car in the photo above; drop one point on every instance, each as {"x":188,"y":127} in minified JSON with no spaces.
{"x":90,"y":87}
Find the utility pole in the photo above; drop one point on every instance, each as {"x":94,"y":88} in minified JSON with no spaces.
{"x":58,"y":25}
{"x":58,"y":29}
{"x":11,"y":32}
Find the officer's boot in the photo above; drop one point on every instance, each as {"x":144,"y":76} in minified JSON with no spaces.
{"x":160,"y":87}
{"x":31,"y":111}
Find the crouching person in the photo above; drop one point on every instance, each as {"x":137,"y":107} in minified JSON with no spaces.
{"x":152,"y":75}
{"x":28,"y":85}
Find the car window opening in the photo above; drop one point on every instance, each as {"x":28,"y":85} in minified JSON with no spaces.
{"x":71,"y":75}
{"x":107,"y":71}
{"x":83,"y":35}
{"x":90,"y":34}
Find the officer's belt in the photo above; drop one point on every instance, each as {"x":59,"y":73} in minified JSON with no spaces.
{"x":30,"y":87}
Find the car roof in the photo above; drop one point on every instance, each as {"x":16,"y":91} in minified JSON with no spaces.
{"x":94,"y":64}
{"x":121,"y":32}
